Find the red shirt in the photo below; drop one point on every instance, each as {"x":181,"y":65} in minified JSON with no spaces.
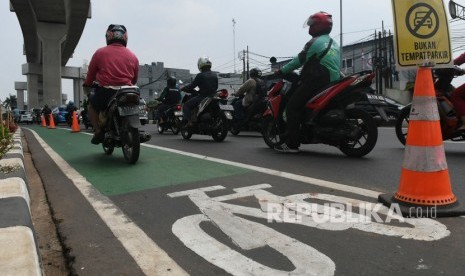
{"x":113,"y":65}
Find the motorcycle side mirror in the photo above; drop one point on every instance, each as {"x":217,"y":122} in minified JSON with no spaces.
{"x":273,"y":60}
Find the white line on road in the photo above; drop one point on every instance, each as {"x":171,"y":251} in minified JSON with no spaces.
{"x":146,"y":253}
{"x":305,"y":179}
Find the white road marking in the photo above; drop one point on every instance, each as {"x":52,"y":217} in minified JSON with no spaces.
{"x":296,"y":177}
{"x":146,"y":253}
{"x":249,"y":235}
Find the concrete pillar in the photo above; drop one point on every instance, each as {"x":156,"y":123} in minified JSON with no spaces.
{"x":52,"y":35}
{"x":20,"y":98}
{"x":33,"y":90}
{"x":78,"y":92}
{"x":20,"y":87}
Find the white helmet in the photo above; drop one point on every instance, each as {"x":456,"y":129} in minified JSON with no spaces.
{"x":204,"y":62}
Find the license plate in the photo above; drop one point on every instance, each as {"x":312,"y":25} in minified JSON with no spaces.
{"x":227,"y":107}
{"x":376,"y":99}
{"x":128,"y":110}
{"x":178,"y":113}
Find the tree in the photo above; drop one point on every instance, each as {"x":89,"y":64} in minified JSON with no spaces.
{"x":11,"y":102}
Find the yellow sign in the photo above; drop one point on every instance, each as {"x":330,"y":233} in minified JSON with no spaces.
{"x":421,"y":32}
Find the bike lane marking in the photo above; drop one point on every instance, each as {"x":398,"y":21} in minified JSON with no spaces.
{"x":249,"y":235}
{"x":146,"y":253}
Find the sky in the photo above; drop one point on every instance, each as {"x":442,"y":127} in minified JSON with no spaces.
{"x":178,"y":32}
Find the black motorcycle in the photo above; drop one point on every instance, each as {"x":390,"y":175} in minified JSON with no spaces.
{"x":120,"y":124}
{"x":170,"y":120}
{"x":85,"y":118}
{"x":211,"y":117}
{"x":253,"y":120}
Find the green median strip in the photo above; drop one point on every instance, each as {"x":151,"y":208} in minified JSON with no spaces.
{"x":111,"y":175}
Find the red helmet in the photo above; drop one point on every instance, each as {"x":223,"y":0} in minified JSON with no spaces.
{"x":320,"y":23}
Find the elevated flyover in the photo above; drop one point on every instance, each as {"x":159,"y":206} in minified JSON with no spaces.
{"x":51,"y":31}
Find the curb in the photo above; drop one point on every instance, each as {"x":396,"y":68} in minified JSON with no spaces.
{"x":19,"y":253}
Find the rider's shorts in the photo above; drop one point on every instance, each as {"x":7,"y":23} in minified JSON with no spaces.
{"x":100,"y":98}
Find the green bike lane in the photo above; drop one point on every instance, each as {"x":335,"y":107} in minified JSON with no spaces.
{"x":149,"y":194}
{"x":111,"y":175}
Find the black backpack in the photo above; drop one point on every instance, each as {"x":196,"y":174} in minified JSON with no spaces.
{"x":173,"y":96}
{"x":260,"y":88}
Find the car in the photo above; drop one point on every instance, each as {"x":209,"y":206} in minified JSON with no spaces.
{"x":25,"y":117}
{"x":59,"y":114}
{"x":143,"y":113}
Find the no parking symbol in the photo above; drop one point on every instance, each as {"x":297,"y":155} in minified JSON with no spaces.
{"x":422,"y":21}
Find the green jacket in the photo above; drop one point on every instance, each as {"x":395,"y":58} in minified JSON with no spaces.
{"x":318,"y":45}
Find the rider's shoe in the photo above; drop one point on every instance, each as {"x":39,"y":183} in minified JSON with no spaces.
{"x":286,"y":149}
{"x":98,"y":138}
{"x":459,"y":132}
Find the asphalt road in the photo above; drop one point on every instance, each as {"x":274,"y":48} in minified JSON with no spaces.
{"x":205,"y":208}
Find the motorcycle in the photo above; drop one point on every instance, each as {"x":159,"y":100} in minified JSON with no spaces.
{"x":69,"y":116}
{"x":211,"y":117}
{"x":253,"y":120}
{"x":120,"y":124}
{"x":171,"y":121}
{"x":329,"y":118}
{"x":85,"y":118}
{"x":449,"y":121}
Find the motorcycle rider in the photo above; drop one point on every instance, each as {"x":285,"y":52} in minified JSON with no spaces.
{"x":168,"y":97}
{"x":46,"y":111}
{"x":320,"y":59}
{"x":70,"y":107}
{"x":253,"y":90}
{"x":111,"y":66}
{"x":458,"y":97}
{"x":206,"y":81}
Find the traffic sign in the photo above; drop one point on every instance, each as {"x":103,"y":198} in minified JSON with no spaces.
{"x":421,"y":33}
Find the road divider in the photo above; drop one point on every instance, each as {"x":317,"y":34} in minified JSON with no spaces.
{"x":19,"y":253}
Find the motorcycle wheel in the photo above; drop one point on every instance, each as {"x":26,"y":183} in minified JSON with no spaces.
{"x":186,"y":133}
{"x":175,"y":125}
{"x":366,"y":139}
{"x":270,"y":132}
{"x":160,"y":128}
{"x":221,"y":129}
{"x":402,"y":124}
{"x":131,"y":147}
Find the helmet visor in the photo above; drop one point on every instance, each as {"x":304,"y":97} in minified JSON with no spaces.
{"x":308,"y":22}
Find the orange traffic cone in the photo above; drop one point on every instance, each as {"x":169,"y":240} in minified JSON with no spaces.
{"x":424,"y":182}
{"x":51,"y":123}
{"x":75,"y":124}
{"x":43,"y":123}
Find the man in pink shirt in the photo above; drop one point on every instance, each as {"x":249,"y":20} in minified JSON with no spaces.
{"x":111,"y":66}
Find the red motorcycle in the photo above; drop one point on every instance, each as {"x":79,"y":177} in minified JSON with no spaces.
{"x":329,"y":118}
{"x":449,"y":120}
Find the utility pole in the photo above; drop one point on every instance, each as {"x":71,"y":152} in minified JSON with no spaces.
{"x":234,"y":43}
{"x":243,"y":66}
{"x":340,"y":21}
{"x":247,"y":61}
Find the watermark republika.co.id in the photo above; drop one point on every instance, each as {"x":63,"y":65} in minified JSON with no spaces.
{"x":342,"y":212}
